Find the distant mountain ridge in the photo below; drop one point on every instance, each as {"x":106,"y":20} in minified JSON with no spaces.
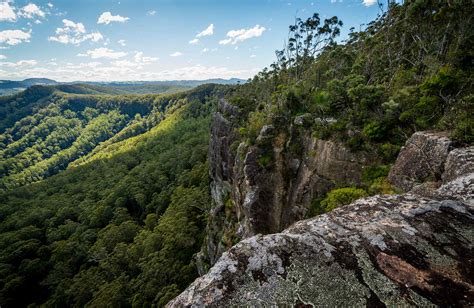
{"x":8,"y":87}
{"x":8,"y":84}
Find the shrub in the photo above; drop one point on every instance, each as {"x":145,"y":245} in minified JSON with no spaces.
{"x":375,"y":131}
{"x":381,"y":186}
{"x":389,"y":151}
{"x":341,"y":196}
{"x":372,"y":173}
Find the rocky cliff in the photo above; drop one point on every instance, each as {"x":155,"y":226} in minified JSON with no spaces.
{"x":266,"y":186}
{"x":408,"y":249}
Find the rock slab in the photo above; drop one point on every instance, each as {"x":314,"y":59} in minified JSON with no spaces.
{"x":384,"y":250}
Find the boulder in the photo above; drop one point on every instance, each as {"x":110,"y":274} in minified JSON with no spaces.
{"x":421,"y":159}
{"x":401,"y":250}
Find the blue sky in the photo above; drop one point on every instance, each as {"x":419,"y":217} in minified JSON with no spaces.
{"x":102,"y":40}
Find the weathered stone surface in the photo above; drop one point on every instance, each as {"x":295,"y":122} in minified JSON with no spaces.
{"x":459,"y":162}
{"x":402,"y":250}
{"x":457,"y":180}
{"x":422,"y":158}
{"x":461,"y":188}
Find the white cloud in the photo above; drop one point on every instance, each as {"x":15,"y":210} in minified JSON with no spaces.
{"x":31,"y":10}
{"x":151,"y":13}
{"x":176,"y":54}
{"x":69,"y":24}
{"x":83,"y":65}
{"x":204,"y":50}
{"x":124,"y":63}
{"x":107,"y":18}
{"x":74,"y":33}
{"x":14,"y":37}
{"x":235,"y":36}
{"x":50,"y":4}
{"x":121,"y":72}
{"x":194,"y":41}
{"x":3,"y":57}
{"x":206,"y":32}
{"x":225,"y":41}
{"x":103,"y":52}
{"x":369,"y":2}
{"x":19,"y":63}
{"x":253,"y":56}
{"x":201,"y":72}
{"x":7,"y":12}
{"x":140,"y":58}
{"x":122,"y":42}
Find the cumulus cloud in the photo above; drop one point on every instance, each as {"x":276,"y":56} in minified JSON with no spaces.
{"x":19,"y":63}
{"x":369,"y":2}
{"x":194,"y":41}
{"x":31,"y":10}
{"x":14,"y":37}
{"x":176,"y":54}
{"x":206,"y":32}
{"x":50,"y":4}
{"x":236,"y":36}
{"x":122,"y":42}
{"x":3,"y":57}
{"x":7,"y":12}
{"x":74,"y":33}
{"x":103,"y":52}
{"x":107,"y":18}
{"x":140,"y":58}
{"x":151,"y":13}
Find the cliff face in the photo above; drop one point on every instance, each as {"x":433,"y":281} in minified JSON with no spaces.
{"x":409,"y":249}
{"x":265,"y":187}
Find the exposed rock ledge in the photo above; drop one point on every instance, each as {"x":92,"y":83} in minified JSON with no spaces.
{"x":414,"y":249}
{"x":382,"y":250}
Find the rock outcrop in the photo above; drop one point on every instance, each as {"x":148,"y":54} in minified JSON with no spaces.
{"x":383,"y":250}
{"x":413,"y":249}
{"x":421,"y":159}
{"x":430,"y":165}
{"x":267,"y":186}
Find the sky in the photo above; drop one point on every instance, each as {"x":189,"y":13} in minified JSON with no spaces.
{"x":131,"y":40}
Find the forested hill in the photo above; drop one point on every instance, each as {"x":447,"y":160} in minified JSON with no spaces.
{"x":132,"y":206}
{"x":43,"y":129}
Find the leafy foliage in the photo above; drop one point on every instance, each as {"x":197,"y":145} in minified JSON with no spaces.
{"x":341,"y":196}
{"x":121,"y":225}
